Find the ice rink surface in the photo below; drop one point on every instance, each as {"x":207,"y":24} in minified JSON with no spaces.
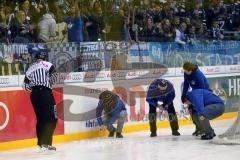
{"x":138,"y":146}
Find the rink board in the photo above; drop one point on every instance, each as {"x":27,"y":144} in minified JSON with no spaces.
{"x":76,"y":99}
{"x":27,"y":143}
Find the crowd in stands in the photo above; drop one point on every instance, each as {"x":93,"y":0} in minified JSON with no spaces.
{"x":182,"y":21}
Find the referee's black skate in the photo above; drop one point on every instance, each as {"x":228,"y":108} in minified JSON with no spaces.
{"x":47,"y":148}
{"x":51,"y":148}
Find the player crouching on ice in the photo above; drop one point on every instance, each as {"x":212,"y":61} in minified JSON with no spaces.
{"x":114,"y":109}
{"x":208,"y":106}
{"x":161,"y":90}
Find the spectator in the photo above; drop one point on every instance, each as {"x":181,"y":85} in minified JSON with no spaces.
{"x":58,"y":13}
{"x":181,"y":8}
{"x":187,"y":21}
{"x":89,"y":25}
{"x":3,"y":37}
{"x":230,"y":19}
{"x":157,"y":14}
{"x":237,"y":33}
{"x":96,"y":24}
{"x":151,"y":10}
{"x":213,"y":11}
{"x":164,"y":12}
{"x":126,"y":32}
{"x":149,"y":32}
{"x":180,"y":34}
{"x":170,"y":14}
{"x":20,"y":30}
{"x":173,"y":7}
{"x":75,"y":25}
{"x":201,"y":32}
{"x":116,"y":23}
{"x":176,"y":22}
{"x":32,"y":11}
{"x":25,"y":6}
{"x":58,"y":9}
{"x":222,"y":19}
{"x":200,"y":11}
{"x":216,"y":31}
{"x":3,"y":25}
{"x":47,"y":28}
{"x":159,"y":32}
{"x":233,"y":10}
{"x":191,"y":34}
{"x":168,"y":31}
{"x":195,"y":18}
{"x":3,"y":18}
{"x":139,"y":13}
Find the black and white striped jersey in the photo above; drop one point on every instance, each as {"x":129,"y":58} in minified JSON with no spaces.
{"x":40,"y":74}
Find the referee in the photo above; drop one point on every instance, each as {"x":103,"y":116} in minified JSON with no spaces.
{"x":39,"y":79}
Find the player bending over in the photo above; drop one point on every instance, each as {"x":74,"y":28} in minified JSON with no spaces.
{"x":114,"y":109}
{"x":161,"y":90}
{"x":195,"y":79}
{"x":208,"y":106}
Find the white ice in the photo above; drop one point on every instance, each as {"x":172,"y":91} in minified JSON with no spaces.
{"x":138,"y":146}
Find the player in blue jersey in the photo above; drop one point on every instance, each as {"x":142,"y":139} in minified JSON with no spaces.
{"x":208,"y":106}
{"x":161,"y":90}
{"x":114,"y":109}
{"x":194,"y":79}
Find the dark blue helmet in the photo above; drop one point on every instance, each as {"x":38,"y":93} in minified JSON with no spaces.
{"x":38,"y":52}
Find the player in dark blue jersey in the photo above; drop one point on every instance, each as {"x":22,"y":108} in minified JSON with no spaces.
{"x":208,"y":106}
{"x":161,"y":90}
{"x":194,"y":79}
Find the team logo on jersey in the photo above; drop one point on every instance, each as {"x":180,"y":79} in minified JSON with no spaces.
{"x":162,"y":87}
{"x":44,"y":64}
{"x":193,"y":82}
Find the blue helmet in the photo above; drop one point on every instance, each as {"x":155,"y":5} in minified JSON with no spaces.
{"x":38,"y":52}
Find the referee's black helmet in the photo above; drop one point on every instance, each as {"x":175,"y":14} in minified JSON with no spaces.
{"x":38,"y":52}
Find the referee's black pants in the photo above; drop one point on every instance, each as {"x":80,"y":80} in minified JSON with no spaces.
{"x":171,"y":115}
{"x":45,"y":109}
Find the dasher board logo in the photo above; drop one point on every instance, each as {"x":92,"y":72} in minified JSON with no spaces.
{"x":4,"y":109}
{"x":63,"y":62}
{"x":4,"y":81}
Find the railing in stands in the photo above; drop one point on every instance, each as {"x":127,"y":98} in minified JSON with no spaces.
{"x":91,"y":56}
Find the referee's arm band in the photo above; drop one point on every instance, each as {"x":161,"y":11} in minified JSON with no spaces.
{"x":52,"y":70}
{"x":26,"y":80}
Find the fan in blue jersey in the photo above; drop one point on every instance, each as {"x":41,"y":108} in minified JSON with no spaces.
{"x":208,"y":106}
{"x":161,"y":90}
{"x":114,"y":109}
